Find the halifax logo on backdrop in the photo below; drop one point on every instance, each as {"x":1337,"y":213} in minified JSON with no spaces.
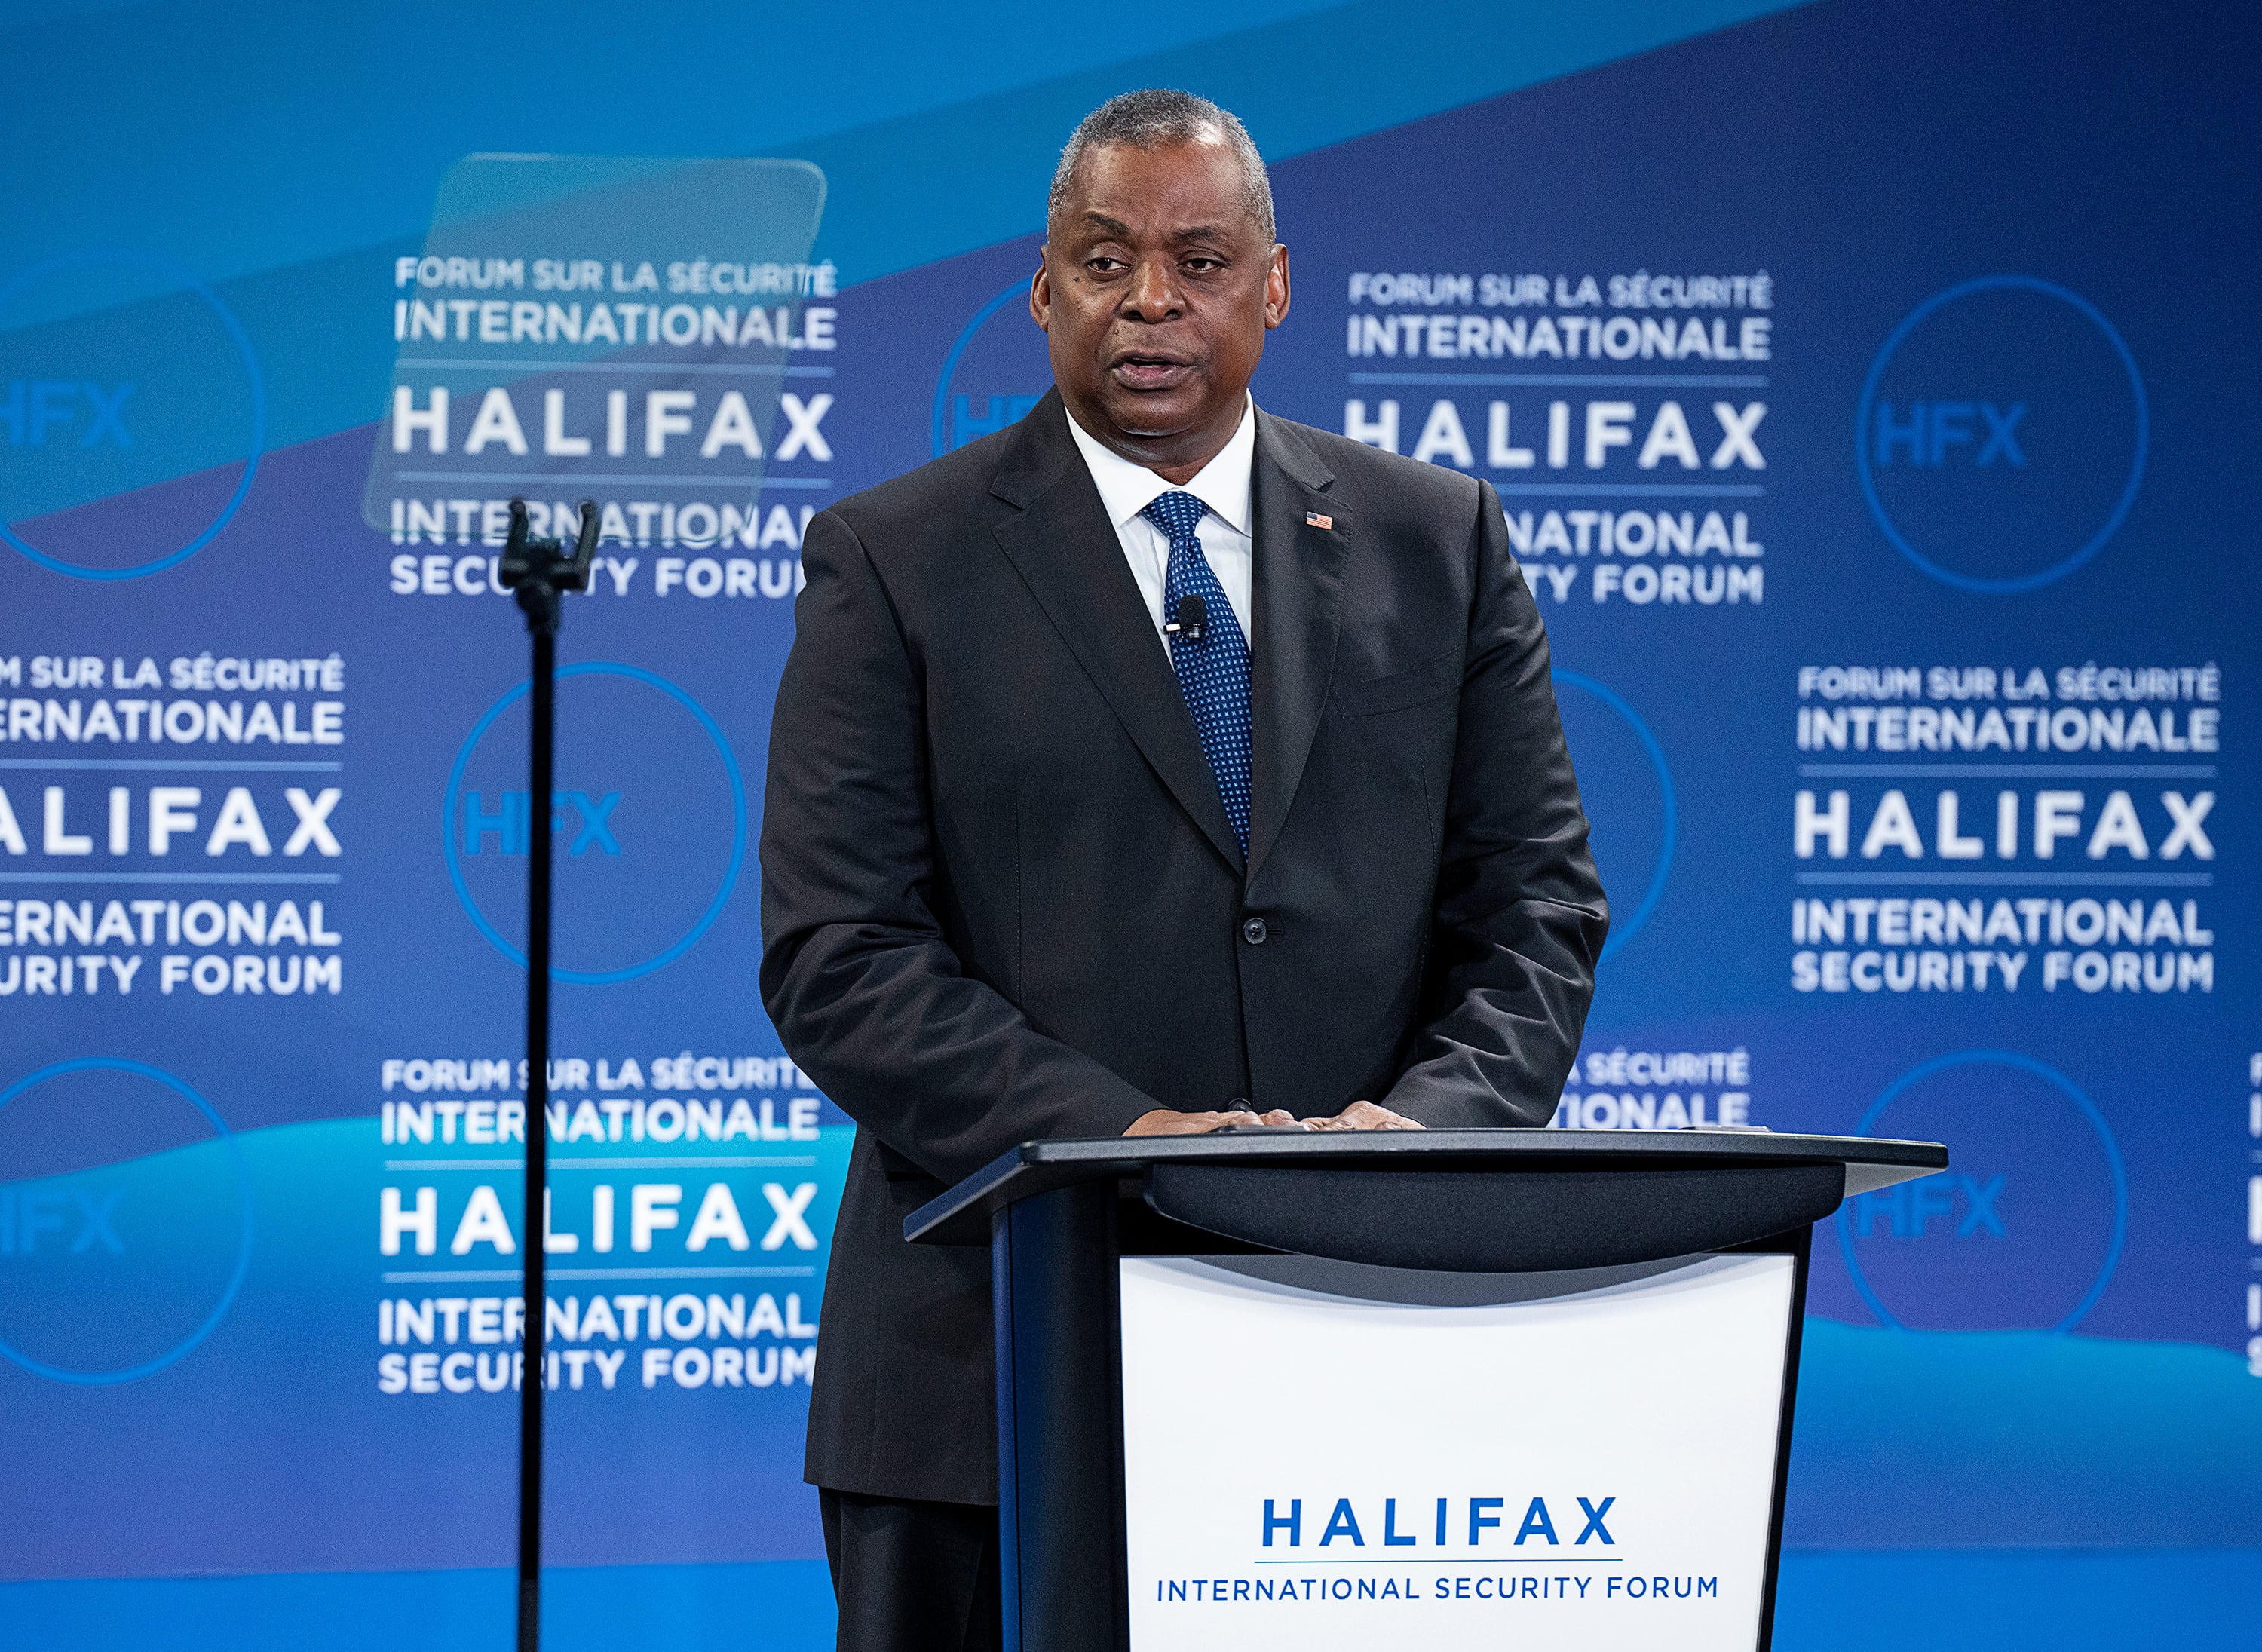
{"x":2001,"y":434}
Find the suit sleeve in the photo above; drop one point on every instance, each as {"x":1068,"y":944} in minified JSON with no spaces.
{"x":857,"y":975}
{"x":1518,"y":916}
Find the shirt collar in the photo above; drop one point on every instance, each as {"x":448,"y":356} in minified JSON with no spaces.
{"x":1223,"y":485}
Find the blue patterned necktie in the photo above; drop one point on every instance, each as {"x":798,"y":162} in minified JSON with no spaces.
{"x":1213,"y":671}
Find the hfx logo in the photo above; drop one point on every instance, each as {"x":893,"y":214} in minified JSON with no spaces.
{"x":583,"y":822}
{"x":1941,"y":433}
{"x":86,"y":1214}
{"x":2024,"y":1235}
{"x":640,"y":897}
{"x":126,"y":1220}
{"x":118,"y":372}
{"x":1968,"y":1207}
{"x":34,"y":411}
{"x":984,"y":385}
{"x":2001,"y":434}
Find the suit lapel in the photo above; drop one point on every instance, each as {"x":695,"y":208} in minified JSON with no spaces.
{"x":1067,"y":551}
{"x":1298,"y":602}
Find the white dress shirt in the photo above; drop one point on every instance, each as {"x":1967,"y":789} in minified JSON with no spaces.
{"x":1222,"y":486}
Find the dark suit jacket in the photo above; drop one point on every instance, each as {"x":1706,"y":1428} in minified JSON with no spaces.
{"x":1001,"y":899}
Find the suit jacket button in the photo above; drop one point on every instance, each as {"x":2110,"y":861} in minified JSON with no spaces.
{"x":1254,"y":931}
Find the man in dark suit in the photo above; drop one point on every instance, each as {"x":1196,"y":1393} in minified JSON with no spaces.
{"x":1152,"y":766}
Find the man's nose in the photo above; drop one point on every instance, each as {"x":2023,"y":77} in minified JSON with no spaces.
{"x":1153,"y":293}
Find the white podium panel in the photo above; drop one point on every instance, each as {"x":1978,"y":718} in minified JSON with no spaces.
{"x":1557,"y":1463}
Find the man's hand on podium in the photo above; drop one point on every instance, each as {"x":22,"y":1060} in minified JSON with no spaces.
{"x":1365,"y":1116}
{"x":1169,"y":1121}
{"x":1359,"y":1116}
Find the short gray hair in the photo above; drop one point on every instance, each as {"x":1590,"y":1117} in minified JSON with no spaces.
{"x":1151,"y":118}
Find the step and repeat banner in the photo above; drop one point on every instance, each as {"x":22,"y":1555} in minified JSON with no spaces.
{"x":1867,"y":393}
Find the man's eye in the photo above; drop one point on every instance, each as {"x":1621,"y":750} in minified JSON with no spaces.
{"x":1104,"y":265}
{"x":1203,"y":266}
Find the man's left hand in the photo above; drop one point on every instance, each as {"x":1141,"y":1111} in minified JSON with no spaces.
{"x":1365,"y":1116}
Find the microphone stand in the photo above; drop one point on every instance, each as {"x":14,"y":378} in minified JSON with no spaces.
{"x":540,"y":572}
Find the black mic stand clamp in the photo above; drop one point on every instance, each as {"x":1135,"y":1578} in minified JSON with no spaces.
{"x":540,"y":572}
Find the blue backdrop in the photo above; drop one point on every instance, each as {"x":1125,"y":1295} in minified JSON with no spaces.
{"x":1851,"y":377}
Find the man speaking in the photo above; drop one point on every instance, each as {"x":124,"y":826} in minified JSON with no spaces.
{"x":1153,"y":766}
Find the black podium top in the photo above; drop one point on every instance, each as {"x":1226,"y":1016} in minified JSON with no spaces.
{"x":1473,"y":1199}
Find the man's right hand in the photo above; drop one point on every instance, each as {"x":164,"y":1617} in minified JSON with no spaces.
{"x":1169,"y":1121}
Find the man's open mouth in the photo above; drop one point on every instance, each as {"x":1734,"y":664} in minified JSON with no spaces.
{"x":1150,"y":370}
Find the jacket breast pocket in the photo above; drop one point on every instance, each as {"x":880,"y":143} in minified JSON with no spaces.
{"x":1433,"y":679}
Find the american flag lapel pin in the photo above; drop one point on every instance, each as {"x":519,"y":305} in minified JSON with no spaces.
{"x":1313,"y":519}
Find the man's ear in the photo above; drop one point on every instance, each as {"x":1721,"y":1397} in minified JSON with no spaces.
{"x":1040,"y":295}
{"x":1275,"y":288}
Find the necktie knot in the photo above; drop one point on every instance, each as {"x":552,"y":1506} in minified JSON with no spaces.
{"x":1177,"y":513}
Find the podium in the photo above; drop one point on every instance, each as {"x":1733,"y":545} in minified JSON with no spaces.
{"x":1435,"y":1389}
